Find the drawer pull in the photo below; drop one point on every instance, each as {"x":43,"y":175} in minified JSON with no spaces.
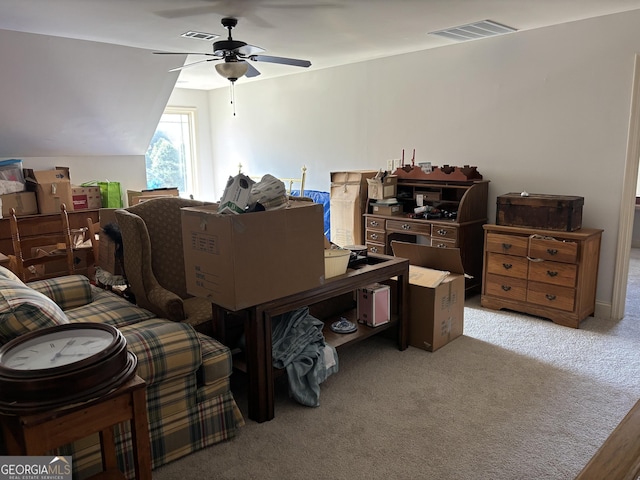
{"x":506,"y":288}
{"x":406,"y":226}
{"x":441,"y":245}
{"x":550,"y":297}
{"x":552,"y":251}
{"x":373,"y":223}
{"x":374,"y":236}
{"x":507,"y":266}
{"x":552,"y":274}
{"x":373,"y":249}
{"x":506,"y":246}
{"x":442,"y":232}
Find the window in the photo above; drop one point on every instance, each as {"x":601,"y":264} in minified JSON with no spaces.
{"x":170,"y":158}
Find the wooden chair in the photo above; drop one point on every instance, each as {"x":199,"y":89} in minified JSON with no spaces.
{"x":31,"y":264}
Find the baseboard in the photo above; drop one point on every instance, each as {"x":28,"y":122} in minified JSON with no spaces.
{"x":603,"y":310}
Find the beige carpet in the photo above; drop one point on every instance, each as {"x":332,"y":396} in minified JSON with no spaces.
{"x":516,"y":397}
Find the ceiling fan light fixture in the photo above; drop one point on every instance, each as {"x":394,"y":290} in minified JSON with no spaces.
{"x":232,"y":70}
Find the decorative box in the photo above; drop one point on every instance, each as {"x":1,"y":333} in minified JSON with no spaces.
{"x":547,"y":212}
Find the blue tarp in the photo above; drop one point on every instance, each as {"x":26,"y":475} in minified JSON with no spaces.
{"x":322,"y":198}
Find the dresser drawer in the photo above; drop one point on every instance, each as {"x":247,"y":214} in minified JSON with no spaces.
{"x":555,"y":273}
{"x":442,"y":243}
{"x":448,"y":232}
{"x":508,"y":244}
{"x":376,"y":236}
{"x":548,"y":248}
{"x":506,"y":287}
{"x":413,"y":227}
{"x":508,"y":265}
{"x":552,"y":296}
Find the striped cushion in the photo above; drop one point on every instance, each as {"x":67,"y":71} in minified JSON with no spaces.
{"x":24,"y":310}
{"x":69,"y":291}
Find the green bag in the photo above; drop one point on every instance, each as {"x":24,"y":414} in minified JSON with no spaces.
{"x":110,"y":194}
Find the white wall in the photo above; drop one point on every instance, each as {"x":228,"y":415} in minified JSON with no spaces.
{"x":545,"y":111}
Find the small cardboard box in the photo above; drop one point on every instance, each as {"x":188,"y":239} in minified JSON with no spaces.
{"x":436,"y":294}
{"x":374,"y":305}
{"x":348,"y":202}
{"x":381,"y":209}
{"x":235,"y":198}
{"x":52,"y":187}
{"x":134,"y":197}
{"x":382,"y":188}
{"x":86,"y":197}
{"x":238,"y":261}
{"x":24,"y":202}
{"x":107,"y":255}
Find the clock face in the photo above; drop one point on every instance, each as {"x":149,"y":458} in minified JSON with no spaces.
{"x":57,"y":349}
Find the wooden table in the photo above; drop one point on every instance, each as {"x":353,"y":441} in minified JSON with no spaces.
{"x":38,"y":433}
{"x":257,"y":321}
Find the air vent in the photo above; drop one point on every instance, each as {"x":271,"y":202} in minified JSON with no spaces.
{"x":473,"y":31}
{"x":207,"y":37}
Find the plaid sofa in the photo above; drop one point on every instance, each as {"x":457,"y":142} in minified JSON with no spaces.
{"x":189,"y":402}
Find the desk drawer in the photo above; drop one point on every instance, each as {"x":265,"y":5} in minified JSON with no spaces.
{"x":442,"y":243}
{"x":552,"y":296}
{"x":508,"y":265}
{"x":507,"y":244}
{"x":376,"y":248}
{"x":406,"y":226}
{"x":555,"y":273}
{"x":506,"y":287}
{"x":448,"y":232}
{"x":375,"y":223}
{"x":376,"y":236}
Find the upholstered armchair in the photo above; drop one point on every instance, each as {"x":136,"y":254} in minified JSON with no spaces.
{"x":154,"y":261}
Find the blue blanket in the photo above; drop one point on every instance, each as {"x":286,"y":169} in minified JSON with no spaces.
{"x":300,"y":348}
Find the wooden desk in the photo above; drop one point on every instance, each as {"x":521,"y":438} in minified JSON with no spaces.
{"x":38,"y":433}
{"x":257,"y":327}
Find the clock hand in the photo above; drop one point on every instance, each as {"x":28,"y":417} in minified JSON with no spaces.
{"x":70,"y":342}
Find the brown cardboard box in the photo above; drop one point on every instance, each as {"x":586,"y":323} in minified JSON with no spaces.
{"x":107,"y":256}
{"x":80,"y":260}
{"x":135,"y":197}
{"x":382,"y":188}
{"x":395,"y":209}
{"x":436,"y":294}
{"x":24,"y":202}
{"x":86,"y":197}
{"x":348,"y":202}
{"x":238,"y":261}
{"x":52,"y":187}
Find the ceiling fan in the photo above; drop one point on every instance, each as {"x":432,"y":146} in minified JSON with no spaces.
{"x":235,"y":54}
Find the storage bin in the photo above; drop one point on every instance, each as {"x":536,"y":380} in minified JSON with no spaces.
{"x":11,"y":177}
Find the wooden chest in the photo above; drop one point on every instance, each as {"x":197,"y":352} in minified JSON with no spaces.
{"x":549,"y":212}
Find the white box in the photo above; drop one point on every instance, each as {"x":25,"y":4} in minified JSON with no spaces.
{"x":374,"y":305}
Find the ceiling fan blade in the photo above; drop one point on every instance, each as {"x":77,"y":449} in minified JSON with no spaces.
{"x":285,"y":61}
{"x":192,"y":64}
{"x":248,"y":50}
{"x":184,"y":53}
{"x":252,"y":72}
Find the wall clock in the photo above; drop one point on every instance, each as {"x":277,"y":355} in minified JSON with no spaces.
{"x":62,"y":365}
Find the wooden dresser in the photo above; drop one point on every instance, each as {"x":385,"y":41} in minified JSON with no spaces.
{"x":551,"y":274}
{"x":464,"y":231}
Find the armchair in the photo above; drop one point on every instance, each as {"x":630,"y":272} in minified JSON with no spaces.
{"x":154,"y":261}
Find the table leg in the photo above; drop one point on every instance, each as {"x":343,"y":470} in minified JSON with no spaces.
{"x":257,"y":329}
{"x":403,"y":309}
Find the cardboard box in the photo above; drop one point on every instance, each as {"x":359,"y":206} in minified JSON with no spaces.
{"x":24,"y":202}
{"x":80,"y":260}
{"x":382,"y":188}
{"x":238,"y":261}
{"x":107,"y":255}
{"x":134,"y":197}
{"x":85,"y":198}
{"x":235,"y":198}
{"x":436,"y":294}
{"x":374,"y":305}
{"x":381,"y":209}
{"x":347,"y":204}
{"x":52,"y":187}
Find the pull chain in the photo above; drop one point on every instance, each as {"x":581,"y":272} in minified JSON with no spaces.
{"x":233,"y":97}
